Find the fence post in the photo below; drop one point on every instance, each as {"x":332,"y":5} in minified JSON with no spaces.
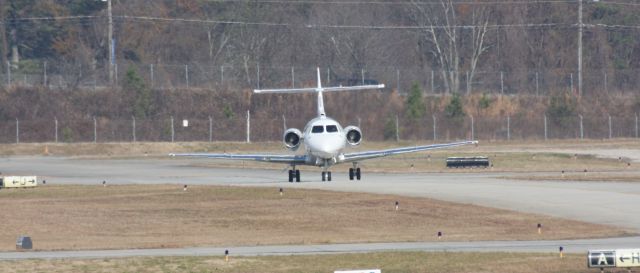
{"x":293,"y":77}
{"x":17,"y":131}
{"x":501,"y":82}
{"x":152,"y":76}
{"x":328,"y":76}
{"x":55,"y":122}
{"x":210,"y":129}
{"x":173,"y":132}
{"x":432,"y":83}
{"x":473,"y":137}
{"x":397,"y":130}
{"x":434,"y":128}
{"x":45,"y":74}
{"x":605,"y":82}
{"x":545,"y":128}
{"x":537,"y":84}
{"x":468,"y":84}
{"x":258,"y":75}
{"x":8,"y":73}
{"x":95,"y":130}
{"x":397,"y":80}
{"x":248,"y":126}
{"x":186,"y":74}
{"x":95,"y":81}
{"x":133,"y":127}
{"x":636,"y":125}
{"x":284,"y":122}
{"x":610,"y":129}
{"x":508,"y":127}
{"x":571,"y":83}
{"x":581,"y":127}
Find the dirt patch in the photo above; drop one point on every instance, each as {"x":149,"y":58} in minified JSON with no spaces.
{"x":162,"y":216}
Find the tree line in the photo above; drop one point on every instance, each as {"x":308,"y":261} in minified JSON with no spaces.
{"x":458,"y":39}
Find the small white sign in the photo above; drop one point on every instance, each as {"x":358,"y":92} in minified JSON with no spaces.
{"x":360,"y":271}
{"x":185,"y":123}
{"x":627,"y":257}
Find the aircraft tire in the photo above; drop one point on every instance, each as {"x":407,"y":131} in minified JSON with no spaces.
{"x":324,"y":177}
{"x":297,"y":175}
{"x":328,"y":176}
{"x":290,"y":175}
{"x":351,"y":174}
{"x":358,"y":173}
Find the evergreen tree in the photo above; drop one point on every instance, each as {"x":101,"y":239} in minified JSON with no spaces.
{"x":415,"y":103}
{"x":135,"y":85}
{"x":454,"y":109}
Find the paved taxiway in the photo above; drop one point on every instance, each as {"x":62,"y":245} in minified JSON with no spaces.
{"x":570,"y":246}
{"x":612,"y":203}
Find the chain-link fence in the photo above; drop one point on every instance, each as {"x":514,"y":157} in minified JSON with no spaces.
{"x":244,"y":128}
{"x":197,"y":75}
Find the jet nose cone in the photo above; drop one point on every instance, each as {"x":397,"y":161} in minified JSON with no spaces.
{"x":327,"y":149}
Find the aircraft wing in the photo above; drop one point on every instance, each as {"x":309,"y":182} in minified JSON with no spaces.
{"x":284,"y":159}
{"x":396,"y":151}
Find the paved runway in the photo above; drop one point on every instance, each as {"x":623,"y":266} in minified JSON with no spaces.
{"x":570,"y":246}
{"x":612,"y":203}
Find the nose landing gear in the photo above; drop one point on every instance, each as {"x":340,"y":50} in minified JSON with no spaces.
{"x":326,"y":174}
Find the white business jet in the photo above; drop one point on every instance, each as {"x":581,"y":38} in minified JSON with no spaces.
{"x":324,"y":140}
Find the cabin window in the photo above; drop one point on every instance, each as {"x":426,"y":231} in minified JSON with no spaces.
{"x":332,"y":128}
{"x":317,"y":129}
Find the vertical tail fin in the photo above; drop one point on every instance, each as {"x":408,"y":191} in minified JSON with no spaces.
{"x":321,"y":112}
{"x":319,"y":89}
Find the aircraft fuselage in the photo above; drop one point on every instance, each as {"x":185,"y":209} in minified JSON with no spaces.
{"x":324,"y":139}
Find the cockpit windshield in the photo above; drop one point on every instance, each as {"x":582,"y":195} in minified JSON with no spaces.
{"x":332,"y":128}
{"x":317,"y":129}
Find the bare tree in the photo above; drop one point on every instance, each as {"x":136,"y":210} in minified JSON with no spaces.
{"x":442,"y":36}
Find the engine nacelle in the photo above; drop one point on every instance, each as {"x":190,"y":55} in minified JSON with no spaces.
{"x":292,"y":138}
{"x":354,"y":135}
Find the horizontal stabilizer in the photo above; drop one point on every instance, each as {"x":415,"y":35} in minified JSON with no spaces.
{"x":353,"y":88}
{"x":324,"y":89}
{"x":289,"y":90}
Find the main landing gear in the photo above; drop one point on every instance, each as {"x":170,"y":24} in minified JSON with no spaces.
{"x":294,"y":174}
{"x":354,"y":172}
{"x":326,"y":176}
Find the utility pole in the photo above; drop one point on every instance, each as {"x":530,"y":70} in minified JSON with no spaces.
{"x":111,"y":45}
{"x":580,"y":27}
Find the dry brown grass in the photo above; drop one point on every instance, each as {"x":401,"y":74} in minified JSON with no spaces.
{"x":159,"y":216}
{"x":389,"y":262}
